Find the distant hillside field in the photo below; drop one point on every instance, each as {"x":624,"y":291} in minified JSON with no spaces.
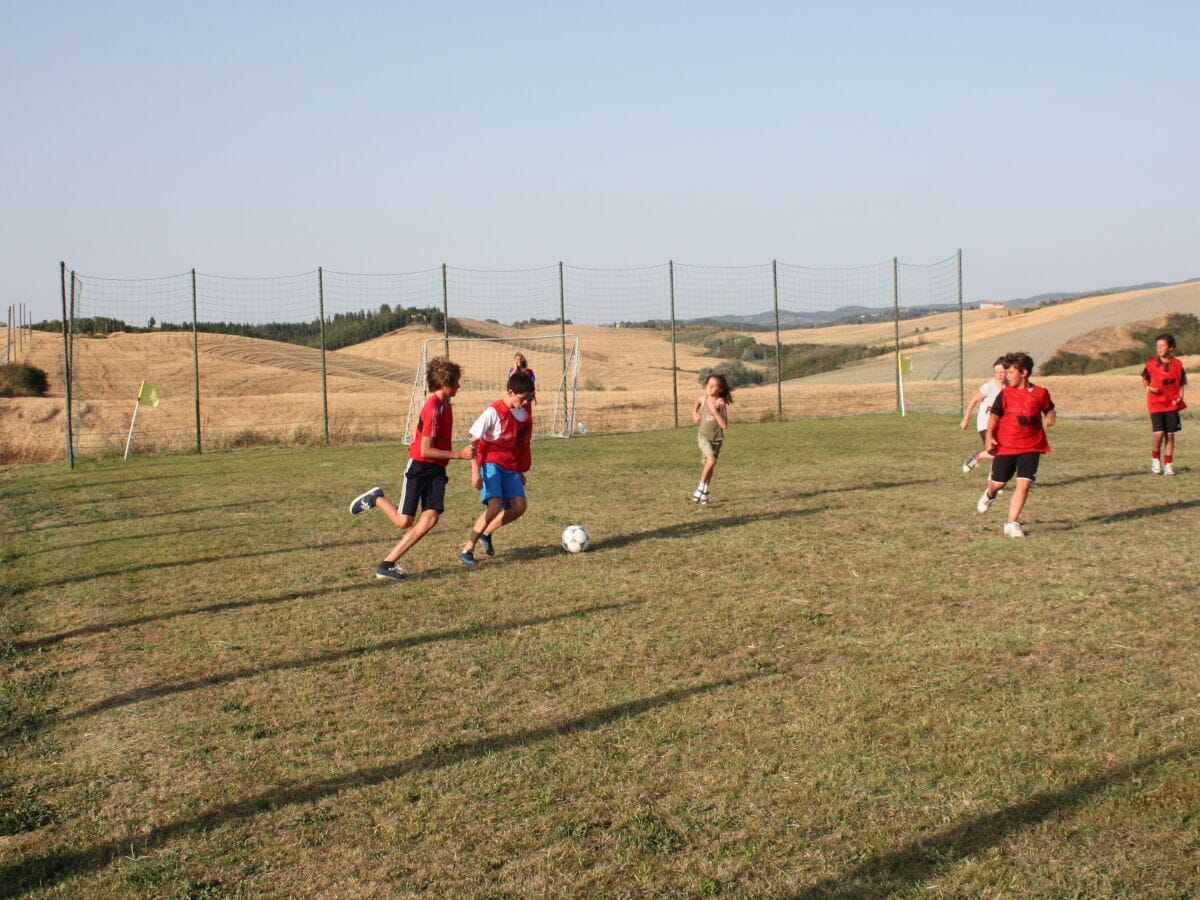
{"x":256,"y":391}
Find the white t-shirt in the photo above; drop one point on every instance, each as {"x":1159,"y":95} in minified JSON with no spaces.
{"x":488,"y":426}
{"x":990,"y":391}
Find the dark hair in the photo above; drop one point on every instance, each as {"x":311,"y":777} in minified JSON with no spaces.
{"x":520,"y":360}
{"x":441,"y":372}
{"x":1022,"y":361}
{"x":520,"y":383}
{"x":1000,"y":361}
{"x":724,"y":393}
{"x":1169,"y":338}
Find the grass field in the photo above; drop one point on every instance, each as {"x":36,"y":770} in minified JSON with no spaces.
{"x":837,"y":680}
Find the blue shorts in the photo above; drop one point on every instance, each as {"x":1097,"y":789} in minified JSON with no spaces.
{"x":500,"y":482}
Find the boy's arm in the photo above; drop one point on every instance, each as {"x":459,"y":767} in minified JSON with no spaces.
{"x":428,"y":451}
{"x":1050,"y":417}
{"x":992,"y":443}
{"x":696,"y":408}
{"x":975,"y":401}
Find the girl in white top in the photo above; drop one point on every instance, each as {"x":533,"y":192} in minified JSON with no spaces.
{"x":983,"y":399}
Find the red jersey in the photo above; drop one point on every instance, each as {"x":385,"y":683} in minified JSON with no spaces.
{"x":437,"y":422}
{"x":1020,"y":428}
{"x":510,"y":450}
{"x":1168,"y":376}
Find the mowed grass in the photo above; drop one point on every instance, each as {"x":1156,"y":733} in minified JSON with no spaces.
{"x":836,"y":680}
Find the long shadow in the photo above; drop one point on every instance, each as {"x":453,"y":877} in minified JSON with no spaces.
{"x":225,"y":606}
{"x":696,"y":527}
{"x":129,"y":537}
{"x":1144,"y":512}
{"x":54,"y":867}
{"x":133,"y":477}
{"x":926,"y":858}
{"x":173,"y":511}
{"x":167,"y":689}
{"x":1093,"y":476}
{"x":179,"y":563}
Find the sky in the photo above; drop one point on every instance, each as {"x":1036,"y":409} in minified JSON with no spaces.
{"x":1055,"y":143}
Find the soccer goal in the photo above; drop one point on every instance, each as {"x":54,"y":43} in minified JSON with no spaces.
{"x":554,"y":359}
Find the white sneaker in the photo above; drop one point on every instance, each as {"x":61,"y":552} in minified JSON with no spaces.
{"x":1155,"y":467}
{"x":985,"y":501}
{"x":1168,"y":469}
{"x":1013,"y":529}
{"x":971,"y":463}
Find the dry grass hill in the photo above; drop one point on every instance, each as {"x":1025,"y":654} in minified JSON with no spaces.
{"x":254,"y":391}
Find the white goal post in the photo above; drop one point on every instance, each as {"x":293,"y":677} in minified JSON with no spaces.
{"x":554,"y":359}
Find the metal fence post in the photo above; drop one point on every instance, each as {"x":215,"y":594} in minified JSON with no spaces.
{"x":778,"y":348}
{"x":962,"y":382}
{"x":896,"y":319}
{"x":324,"y":381}
{"x":62,"y":268}
{"x":445,"y":313}
{"x":196,"y":361}
{"x":562,"y":331}
{"x":674,"y":358}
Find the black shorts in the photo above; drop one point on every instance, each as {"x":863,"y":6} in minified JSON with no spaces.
{"x":1166,"y":422}
{"x":1023,"y":465}
{"x":424,"y":482}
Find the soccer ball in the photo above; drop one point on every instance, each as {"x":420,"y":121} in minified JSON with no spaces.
{"x":575,"y":539}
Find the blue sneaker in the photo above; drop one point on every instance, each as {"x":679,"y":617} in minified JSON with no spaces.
{"x":466,"y":557}
{"x":390,"y":570}
{"x":486,"y":540}
{"x":366,"y":501}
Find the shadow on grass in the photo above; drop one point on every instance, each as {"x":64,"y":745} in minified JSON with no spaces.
{"x":156,"y":691}
{"x":56,"y":866}
{"x":927,"y":858}
{"x":129,"y":537}
{"x":1127,"y":515}
{"x":180,"y":563}
{"x":225,"y":606}
{"x":173,"y":511}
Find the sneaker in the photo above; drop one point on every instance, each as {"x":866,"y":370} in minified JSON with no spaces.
{"x":486,"y":540}
{"x":696,"y":495}
{"x":1155,"y":467}
{"x":1168,"y":469}
{"x":1013,"y":529}
{"x":466,"y":557}
{"x":703,"y":501}
{"x":971,"y":463}
{"x":366,"y":501}
{"x":392,"y":571}
{"x":985,"y":501}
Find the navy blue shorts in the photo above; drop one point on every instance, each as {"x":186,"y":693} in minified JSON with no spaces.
{"x":424,"y":483}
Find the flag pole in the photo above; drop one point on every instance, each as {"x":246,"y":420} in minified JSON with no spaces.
{"x":129,"y":440}
{"x":900,"y":381}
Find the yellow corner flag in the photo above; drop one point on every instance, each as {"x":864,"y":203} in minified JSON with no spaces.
{"x":904,"y":362}
{"x":148,"y":394}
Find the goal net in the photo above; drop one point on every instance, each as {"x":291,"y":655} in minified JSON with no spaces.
{"x":485,"y":362}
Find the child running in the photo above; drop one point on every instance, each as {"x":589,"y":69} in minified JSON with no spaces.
{"x":711,"y":413}
{"x":1016,"y":438}
{"x":1165,"y":380}
{"x":500,"y":438}
{"x":983,"y":399}
{"x":425,"y":476}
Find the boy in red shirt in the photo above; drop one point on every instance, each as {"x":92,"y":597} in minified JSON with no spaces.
{"x":500,"y":438}
{"x":1016,"y":438}
{"x":1165,"y":380}
{"x":425,"y":476}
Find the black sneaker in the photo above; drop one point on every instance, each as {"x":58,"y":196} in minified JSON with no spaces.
{"x":486,"y":540}
{"x":466,"y":557}
{"x":366,"y":501}
{"x":392,"y":571}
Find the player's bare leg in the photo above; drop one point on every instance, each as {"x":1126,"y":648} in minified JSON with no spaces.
{"x":422,"y":527}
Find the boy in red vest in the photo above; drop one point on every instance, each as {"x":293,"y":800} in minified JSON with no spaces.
{"x":1165,"y":380}
{"x":500,"y":438}
{"x":1016,"y":438}
{"x":425,"y":476}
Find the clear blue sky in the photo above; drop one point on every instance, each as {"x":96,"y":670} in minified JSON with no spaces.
{"x":1056,"y":143}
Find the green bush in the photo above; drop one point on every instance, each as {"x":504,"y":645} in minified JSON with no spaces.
{"x":1184,"y":326}
{"x":20,"y":380}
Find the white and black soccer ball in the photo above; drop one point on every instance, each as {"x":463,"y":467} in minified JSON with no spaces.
{"x":575,"y":539}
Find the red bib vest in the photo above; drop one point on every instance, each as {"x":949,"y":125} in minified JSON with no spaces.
{"x":510,"y":450}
